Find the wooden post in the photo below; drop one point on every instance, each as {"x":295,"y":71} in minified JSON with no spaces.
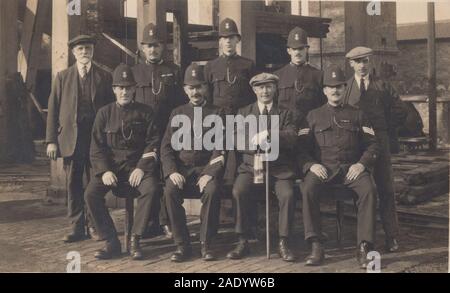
{"x":8,"y":67}
{"x":432,"y":78}
{"x":180,"y":34}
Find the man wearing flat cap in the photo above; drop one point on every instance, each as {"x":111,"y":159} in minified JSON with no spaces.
{"x":190,"y":171}
{"x":300,"y":86}
{"x":228,"y":76}
{"x":383,"y":107}
{"x":159,"y":86}
{"x":340,"y":148}
{"x":281,"y":170}
{"x":124,"y":155}
{"x":77,"y":94}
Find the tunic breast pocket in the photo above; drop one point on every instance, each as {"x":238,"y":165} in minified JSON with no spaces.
{"x":168,"y":81}
{"x":350,"y":135}
{"x":112,"y":137}
{"x":324,"y":135}
{"x":220,"y":84}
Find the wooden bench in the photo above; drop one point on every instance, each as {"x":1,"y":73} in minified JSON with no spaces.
{"x":413,"y":143}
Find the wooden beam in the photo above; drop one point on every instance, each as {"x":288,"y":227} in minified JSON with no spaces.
{"x":431,"y":53}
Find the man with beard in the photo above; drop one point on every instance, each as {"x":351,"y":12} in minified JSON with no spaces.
{"x":77,"y":94}
{"x":341,"y":148}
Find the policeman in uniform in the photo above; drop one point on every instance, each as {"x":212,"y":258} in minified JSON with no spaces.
{"x":159,"y":86}
{"x":341,"y":148}
{"x":77,"y":94}
{"x":281,"y":171}
{"x":384,"y":109}
{"x":124,"y":154}
{"x":190,"y":171}
{"x":228,"y":76}
{"x":300,"y":86}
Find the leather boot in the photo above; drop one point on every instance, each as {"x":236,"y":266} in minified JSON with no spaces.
{"x":112,"y":249}
{"x":317,"y":255}
{"x":285,"y":253}
{"x":182,"y":253}
{"x":135,"y":248}
{"x":207,"y":254}
{"x":241,"y":250}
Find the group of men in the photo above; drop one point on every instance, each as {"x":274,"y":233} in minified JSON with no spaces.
{"x":118,"y":135}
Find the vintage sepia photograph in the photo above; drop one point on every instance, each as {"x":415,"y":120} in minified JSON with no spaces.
{"x":225,"y":137}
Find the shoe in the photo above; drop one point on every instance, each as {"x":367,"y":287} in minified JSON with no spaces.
{"x":74,"y":237}
{"x":167,"y":231}
{"x":361,"y":254}
{"x":317,"y":255}
{"x":241,"y":250}
{"x":182,"y":253}
{"x":135,"y":248}
{"x":92,"y":233}
{"x":112,"y":249}
{"x":207,"y":254}
{"x":391,"y":244}
{"x":285,"y":253}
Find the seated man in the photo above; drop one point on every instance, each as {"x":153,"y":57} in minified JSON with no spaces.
{"x":190,"y":170}
{"x":123,"y":154}
{"x":281,"y":170}
{"x":342,"y":148}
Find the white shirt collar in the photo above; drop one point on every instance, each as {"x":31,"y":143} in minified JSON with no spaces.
{"x":261,"y":107}
{"x":80,"y":68}
{"x":366,"y":80}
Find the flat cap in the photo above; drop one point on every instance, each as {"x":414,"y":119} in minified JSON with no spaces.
{"x":333,"y":76}
{"x":263,"y":78}
{"x":194,"y":75}
{"x":81,"y":39}
{"x":359,"y":52}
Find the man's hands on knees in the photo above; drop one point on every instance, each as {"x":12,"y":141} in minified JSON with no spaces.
{"x":320,"y":171}
{"x":52,"y":151}
{"x":109,"y":179}
{"x":354,"y":171}
{"x":177,"y":179}
{"x":203,"y":181}
{"x":136,"y":177}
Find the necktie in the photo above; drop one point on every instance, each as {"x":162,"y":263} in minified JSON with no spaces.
{"x":84,"y":72}
{"x":362,"y":87}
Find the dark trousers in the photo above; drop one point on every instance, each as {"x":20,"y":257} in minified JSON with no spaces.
{"x":146,"y":194}
{"x":209,"y":215}
{"x":385,"y":186}
{"x":312,"y":187}
{"x":245,"y":192}
{"x":77,"y":169}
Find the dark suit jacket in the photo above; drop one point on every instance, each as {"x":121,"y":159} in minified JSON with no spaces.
{"x":62,"y":126}
{"x":284,"y":167}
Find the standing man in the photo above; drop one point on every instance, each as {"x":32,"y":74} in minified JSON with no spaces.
{"x":342,"y":149}
{"x":300,"y":86}
{"x":123,"y":152}
{"x":77,"y":94}
{"x":281,"y":171}
{"x":159,"y":86}
{"x":383,"y":107}
{"x":190,"y":171}
{"x":228,"y":76}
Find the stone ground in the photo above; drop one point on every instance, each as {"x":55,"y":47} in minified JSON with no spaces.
{"x":31,"y":231}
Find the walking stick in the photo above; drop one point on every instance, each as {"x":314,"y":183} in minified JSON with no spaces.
{"x":267,"y":209}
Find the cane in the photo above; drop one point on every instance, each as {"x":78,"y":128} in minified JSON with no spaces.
{"x":267,"y":209}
